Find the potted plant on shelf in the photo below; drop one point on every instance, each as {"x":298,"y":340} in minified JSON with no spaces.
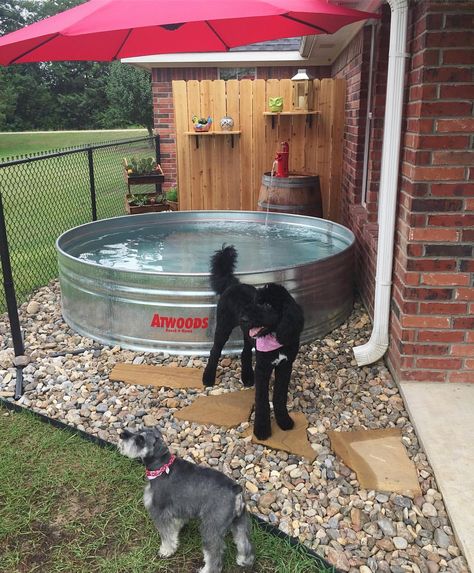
{"x":201,"y":123}
{"x":146,"y":203}
{"x":143,"y":170}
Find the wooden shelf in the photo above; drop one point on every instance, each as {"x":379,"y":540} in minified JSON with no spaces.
{"x":291,"y":113}
{"x":307,"y":114}
{"x":145,"y":179}
{"x":212,"y":132}
{"x":200,"y":133}
{"x":155,"y":179}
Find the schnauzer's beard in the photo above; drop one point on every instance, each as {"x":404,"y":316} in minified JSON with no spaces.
{"x":130,"y":449}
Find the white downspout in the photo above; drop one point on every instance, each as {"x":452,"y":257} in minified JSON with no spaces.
{"x":378,"y":343}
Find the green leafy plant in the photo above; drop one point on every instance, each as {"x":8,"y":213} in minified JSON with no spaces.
{"x":142,"y":166}
{"x":172,"y":194}
{"x":142,"y":199}
{"x":201,"y":120}
{"x":138,"y":200}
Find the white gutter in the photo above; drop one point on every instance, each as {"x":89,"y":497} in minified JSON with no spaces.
{"x":378,"y":343}
{"x":368,"y":117}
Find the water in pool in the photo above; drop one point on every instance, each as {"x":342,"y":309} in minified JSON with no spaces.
{"x":187,"y":249}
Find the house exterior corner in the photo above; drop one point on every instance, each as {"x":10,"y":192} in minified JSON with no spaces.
{"x":432,"y":310}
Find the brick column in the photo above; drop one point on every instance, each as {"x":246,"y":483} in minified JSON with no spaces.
{"x":163,"y":121}
{"x":163,"y":112}
{"x":432,"y":325}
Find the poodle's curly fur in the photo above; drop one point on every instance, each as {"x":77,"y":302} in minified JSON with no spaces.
{"x":274,"y":311}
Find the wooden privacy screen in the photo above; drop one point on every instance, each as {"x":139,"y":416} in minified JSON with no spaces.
{"x":225,"y":171}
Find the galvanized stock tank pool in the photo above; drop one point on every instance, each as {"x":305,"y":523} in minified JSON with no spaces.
{"x":142,"y":281}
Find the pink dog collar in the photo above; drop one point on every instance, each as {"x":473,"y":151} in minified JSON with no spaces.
{"x":265,"y":343}
{"x":153,"y":474}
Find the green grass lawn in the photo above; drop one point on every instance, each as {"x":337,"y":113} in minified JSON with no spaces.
{"x":67,"y":505}
{"x":44,"y":198}
{"x":13,"y":144}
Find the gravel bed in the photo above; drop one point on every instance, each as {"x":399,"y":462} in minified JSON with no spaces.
{"x":321,"y":503}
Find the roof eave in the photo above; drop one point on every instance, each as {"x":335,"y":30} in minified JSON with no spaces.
{"x":219,"y":59}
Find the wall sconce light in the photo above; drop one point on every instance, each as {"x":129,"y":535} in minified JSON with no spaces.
{"x":302,"y":88}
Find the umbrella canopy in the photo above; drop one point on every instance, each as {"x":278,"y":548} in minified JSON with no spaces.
{"x":105,"y":30}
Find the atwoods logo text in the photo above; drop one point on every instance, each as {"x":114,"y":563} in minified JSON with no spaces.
{"x":179,"y":324}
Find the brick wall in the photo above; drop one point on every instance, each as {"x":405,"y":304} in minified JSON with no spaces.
{"x":163,"y":112}
{"x":433,"y":296}
{"x":360,"y":213}
{"x":432,"y":315}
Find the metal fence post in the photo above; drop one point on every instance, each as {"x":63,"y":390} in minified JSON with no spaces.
{"x":10,"y":297}
{"x":92,"y":183}
{"x":157,"y":149}
{"x":158,"y":186}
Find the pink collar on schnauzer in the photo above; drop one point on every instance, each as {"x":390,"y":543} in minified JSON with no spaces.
{"x":153,"y":474}
{"x":265,"y":343}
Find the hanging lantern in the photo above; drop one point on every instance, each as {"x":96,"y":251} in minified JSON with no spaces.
{"x":302,"y":86}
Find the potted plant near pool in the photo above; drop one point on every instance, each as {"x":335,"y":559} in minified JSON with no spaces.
{"x":144,"y":171}
{"x":172,"y":198}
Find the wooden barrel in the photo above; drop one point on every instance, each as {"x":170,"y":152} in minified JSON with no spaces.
{"x":297,"y":194}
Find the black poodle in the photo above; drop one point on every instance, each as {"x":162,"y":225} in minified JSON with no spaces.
{"x":271,"y":321}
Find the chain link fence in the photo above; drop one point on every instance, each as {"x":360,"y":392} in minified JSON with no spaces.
{"x":46,"y":194}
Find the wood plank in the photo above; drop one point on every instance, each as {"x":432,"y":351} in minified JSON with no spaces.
{"x":311,"y":135}
{"x":291,"y":128}
{"x":324,"y":131}
{"x":183,"y":154}
{"x":207,"y":190}
{"x":337,"y":145}
{"x":285,"y":124}
{"x":272,"y":136}
{"x":195,"y":174}
{"x":219,"y":182}
{"x":261,"y":161}
{"x":246,"y":145}
{"x":232,"y":154}
{"x":160,"y":376}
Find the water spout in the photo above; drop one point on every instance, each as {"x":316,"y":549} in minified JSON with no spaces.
{"x":272,"y":173}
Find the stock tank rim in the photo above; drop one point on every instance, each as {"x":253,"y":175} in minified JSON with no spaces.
{"x":345,"y":235}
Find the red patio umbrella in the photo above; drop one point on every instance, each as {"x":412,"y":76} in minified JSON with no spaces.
{"x":105,"y":30}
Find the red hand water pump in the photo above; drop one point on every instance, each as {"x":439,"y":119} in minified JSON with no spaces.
{"x":281,"y":159}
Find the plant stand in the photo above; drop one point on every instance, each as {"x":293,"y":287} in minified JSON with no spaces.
{"x":150,"y":208}
{"x":155,"y":179}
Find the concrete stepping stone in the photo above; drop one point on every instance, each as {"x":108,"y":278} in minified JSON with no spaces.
{"x":160,"y":376}
{"x":294,"y":441}
{"x":227,"y":410}
{"x":379,"y":459}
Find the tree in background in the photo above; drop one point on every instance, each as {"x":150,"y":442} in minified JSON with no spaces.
{"x":68,"y":95}
{"x":130,"y":97}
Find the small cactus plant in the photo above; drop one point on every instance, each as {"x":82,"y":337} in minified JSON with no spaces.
{"x":142,"y":166}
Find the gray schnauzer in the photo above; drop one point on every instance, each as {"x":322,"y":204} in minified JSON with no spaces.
{"x":179,"y":490}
